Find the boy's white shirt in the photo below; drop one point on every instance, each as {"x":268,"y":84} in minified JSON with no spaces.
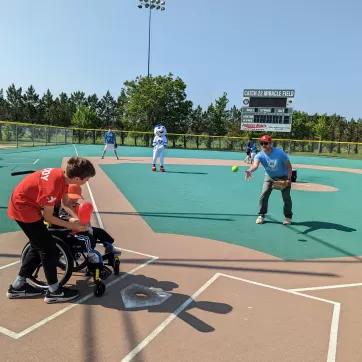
{"x":159,"y":142}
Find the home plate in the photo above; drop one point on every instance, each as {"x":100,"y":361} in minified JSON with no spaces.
{"x":139,"y":296}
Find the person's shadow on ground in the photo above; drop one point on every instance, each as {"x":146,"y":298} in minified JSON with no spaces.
{"x":316,"y":225}
{"x":113,"y":299}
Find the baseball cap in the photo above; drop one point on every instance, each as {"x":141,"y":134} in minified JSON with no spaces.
{"x":265,"y":138}
{"x":75,"y":192}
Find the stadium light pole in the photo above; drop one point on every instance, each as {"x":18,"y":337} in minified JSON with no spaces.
{"x":151,"y":5}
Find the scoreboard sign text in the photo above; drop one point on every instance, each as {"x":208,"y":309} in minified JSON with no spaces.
{"x":267,"y":110}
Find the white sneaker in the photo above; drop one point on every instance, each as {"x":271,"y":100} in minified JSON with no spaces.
{"x":287,"y":221}
{"x":260,"y":219}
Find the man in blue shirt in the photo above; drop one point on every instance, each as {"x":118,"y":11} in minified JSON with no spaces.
{"x":110,"y":142}
{"x":277,"y":166}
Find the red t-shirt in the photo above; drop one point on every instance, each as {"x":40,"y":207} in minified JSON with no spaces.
{"x":42,"y":188}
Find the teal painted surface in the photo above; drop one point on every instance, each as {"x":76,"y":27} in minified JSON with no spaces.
{"x":22,"y":160}
{"x":212,"y":202}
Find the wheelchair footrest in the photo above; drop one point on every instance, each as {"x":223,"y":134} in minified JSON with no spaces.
{"x":105,"y":273}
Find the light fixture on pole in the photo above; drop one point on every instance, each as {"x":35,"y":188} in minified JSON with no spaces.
{"x":151,"y":5}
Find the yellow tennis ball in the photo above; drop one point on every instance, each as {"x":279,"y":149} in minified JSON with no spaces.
{"x":235,"y":168}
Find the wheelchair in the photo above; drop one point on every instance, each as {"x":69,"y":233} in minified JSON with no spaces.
{"x":72,"y":258}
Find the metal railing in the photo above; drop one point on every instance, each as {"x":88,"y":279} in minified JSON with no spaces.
{"x":31,"y":135}
{"x":28,"y":135}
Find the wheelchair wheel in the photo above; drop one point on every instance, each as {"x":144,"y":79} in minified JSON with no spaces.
{"x":65,"y":267}
{"x":99,"y":289}
{"x":80,"y":260}
{"x":116,"y":266}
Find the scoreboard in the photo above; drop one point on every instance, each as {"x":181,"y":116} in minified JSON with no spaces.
{"x":267,"y":110}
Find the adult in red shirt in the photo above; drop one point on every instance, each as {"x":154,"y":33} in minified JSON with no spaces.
{"x":30,"y":204}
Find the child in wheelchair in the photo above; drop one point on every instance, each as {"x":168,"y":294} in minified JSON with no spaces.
{"x":95,"y":235}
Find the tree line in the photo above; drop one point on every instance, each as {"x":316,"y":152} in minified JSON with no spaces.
{"x":146,"y":101}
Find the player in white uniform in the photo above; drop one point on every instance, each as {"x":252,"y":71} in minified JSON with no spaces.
{"x":159,"y":146}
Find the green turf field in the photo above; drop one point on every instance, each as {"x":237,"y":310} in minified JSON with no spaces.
{"x":212,"y":202}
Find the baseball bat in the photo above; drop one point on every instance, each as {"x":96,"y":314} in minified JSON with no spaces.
{"x":21,"y":173}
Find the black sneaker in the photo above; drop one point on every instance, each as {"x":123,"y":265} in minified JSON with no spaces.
{"x":26,"y":291}
{"x":61,"y":295}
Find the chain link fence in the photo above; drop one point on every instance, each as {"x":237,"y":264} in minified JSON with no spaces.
{"x":26,"y":135}
{"x":18,"y":135}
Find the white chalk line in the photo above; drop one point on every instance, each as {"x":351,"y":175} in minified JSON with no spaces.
{"x":333,"y":336}
{"x":95,"y":208}
{"x":168,"y":320}
{"x":8,"y":265}
{"x":327,"y":287}
{"x":36,"y":161}
{"x":35,"y":326}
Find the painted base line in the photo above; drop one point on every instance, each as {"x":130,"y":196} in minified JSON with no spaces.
{"x":126,"y":250}
{"x":136,"y":252}
{"x":279,"y":289}
{"x":333,"y":336}
{"x":36,"y":161}
{"x":8,"y":265}
{"x":326,"y":287}
{"x":95,"y":208}
{"x":26,"y":331}
{"x":8,"y":333}
{"x":168,"y":320}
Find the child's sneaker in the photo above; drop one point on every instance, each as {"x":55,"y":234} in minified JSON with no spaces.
{"x":93,"y":258}
{"x":153,"y":168}
{"x":116,"y":251}
{"x":260,"y":219}
{"x":61,"y":295}
{"x":162,"y":169}
{"x":26,"y":291}
{"x":287,"y":221}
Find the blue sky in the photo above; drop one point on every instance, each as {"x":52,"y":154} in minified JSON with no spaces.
{"x":312,"y":46}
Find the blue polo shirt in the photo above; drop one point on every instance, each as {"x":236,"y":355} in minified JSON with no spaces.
{"x":274,"y":164}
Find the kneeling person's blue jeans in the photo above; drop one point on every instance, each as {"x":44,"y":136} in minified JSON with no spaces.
{"x":267,"y":190}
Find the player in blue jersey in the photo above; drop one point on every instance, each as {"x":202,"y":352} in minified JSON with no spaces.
{"x":110,"y":142}
{"x":248,"y":150}
{"x":254,"y":151}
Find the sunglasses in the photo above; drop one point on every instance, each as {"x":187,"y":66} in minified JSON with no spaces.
{"x":264,"y":143}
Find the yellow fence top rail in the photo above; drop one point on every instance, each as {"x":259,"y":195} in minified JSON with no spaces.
{"x":171,"y":134}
